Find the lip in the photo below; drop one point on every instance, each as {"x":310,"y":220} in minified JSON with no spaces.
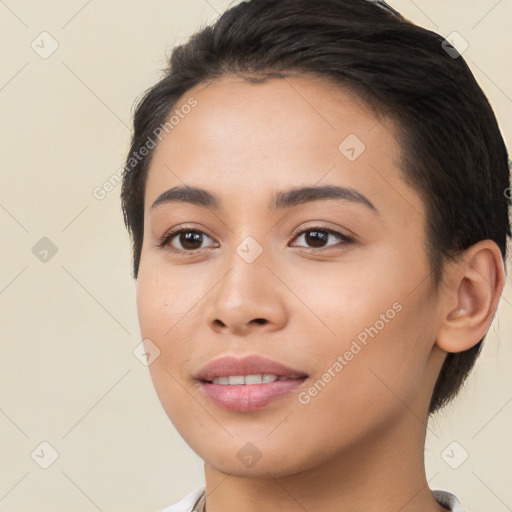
{"x":248,"y":365}
{"x":252,"y":397}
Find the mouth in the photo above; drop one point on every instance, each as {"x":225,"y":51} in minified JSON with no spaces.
{"x":248,"y":370}
{"x":247,"y":384}
{"x":249,"y":380}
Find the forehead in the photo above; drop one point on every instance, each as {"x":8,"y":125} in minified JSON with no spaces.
{"x":258,"y":138}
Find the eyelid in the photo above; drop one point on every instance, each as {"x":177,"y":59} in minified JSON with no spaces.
{"x":320,"y":226}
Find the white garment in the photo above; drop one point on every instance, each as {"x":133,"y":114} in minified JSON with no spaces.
{"x":445,"y":498}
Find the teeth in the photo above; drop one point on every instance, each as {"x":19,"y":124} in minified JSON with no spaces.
{"x":237,"y":379}
{"x":234,"y":380}
{"x":253,"y":379}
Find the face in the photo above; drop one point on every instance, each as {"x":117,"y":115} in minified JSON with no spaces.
{"x":331,"y":283}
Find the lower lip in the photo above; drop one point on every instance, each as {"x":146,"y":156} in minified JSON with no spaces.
{"x":248,"y":397}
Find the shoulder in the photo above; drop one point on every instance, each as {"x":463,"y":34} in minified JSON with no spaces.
{"x":448,"y":500}
{"x":187,"y":503}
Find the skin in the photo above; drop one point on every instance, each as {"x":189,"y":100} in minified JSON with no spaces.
{"x":358,"y":444}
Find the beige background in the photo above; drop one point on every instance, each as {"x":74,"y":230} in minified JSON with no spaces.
{"x":69,"y":326}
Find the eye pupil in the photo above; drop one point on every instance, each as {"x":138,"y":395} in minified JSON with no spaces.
{"x":191,"y":237}
{"x":318,"y":238}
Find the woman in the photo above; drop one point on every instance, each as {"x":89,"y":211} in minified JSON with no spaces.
{"x":315,"y":194}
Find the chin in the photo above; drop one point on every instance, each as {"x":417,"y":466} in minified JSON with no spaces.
{"x":248,"y":460}
{"x":261,"y":469}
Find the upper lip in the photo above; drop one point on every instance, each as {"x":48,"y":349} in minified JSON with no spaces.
{"x":248,"y":365}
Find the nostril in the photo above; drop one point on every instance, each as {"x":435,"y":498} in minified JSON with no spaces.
{"x":260,"y":320}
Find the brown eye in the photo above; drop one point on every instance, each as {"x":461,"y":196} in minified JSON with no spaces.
{"x":190,"y":239}
{"x":185,"y":240}
{"x":317,"y":238}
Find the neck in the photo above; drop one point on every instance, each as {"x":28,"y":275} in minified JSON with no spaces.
{"x":383,"y":476}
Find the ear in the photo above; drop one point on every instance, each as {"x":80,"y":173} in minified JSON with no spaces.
{"x":471,"y":291}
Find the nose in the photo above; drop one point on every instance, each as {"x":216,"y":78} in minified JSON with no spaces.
{"x":248,"y":298}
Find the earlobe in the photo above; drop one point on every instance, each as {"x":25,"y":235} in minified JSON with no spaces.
{"x":474,"y":285}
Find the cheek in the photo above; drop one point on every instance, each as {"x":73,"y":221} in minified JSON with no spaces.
{"x":161,"y":310}
{"x":166,"y":297}
{"x":170,"y":306}
{"x":345,"y":305}
{"x":384,"y":357}
{"x":162,"y":306}
{"x":379,"y":321}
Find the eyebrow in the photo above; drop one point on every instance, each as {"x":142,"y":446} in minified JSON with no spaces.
{"x":280,"y":200}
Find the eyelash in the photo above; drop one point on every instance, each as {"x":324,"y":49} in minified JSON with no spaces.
{"x":168,"y":237}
